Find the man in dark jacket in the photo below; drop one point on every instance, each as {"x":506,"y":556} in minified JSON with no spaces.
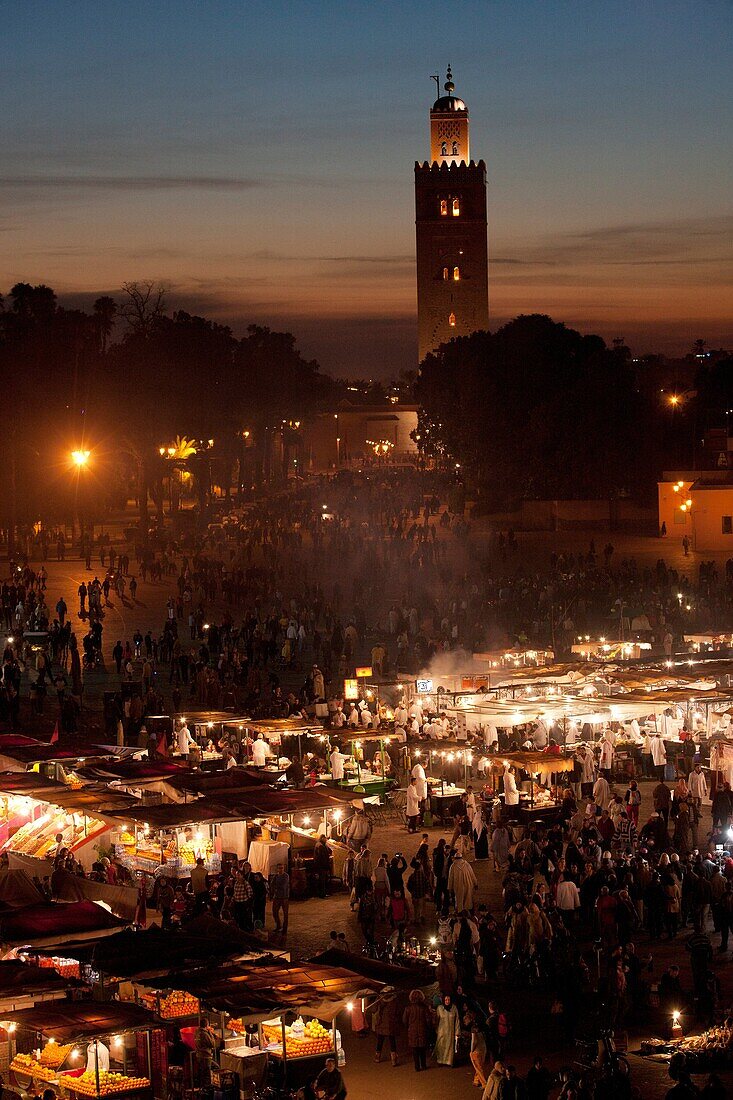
{"x":322,"y":865}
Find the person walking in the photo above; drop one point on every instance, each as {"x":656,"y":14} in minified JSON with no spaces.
{"x":385,"y":1022}
{"x":418,"y":1019}
{"x":462,"y":883}
{"x":280,"y":894}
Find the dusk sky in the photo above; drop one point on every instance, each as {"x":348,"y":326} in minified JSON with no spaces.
{"x":258,"y":159}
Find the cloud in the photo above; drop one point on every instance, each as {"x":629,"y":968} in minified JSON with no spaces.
{"x":701,"y":241}
{"x":133,"y":183}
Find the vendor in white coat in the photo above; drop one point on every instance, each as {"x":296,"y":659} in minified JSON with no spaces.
{"x":412,"y":807}
{"x":418,"y":774}
{"x":511,"y":791}
{"x":337,"y":764}
{"x":659,"y":754}
{"x":606,"y":761}
{"x":491,"y":736}
{"x":260,"y":752}
{"x":184,"y":740}
{"x":97,"y":1057}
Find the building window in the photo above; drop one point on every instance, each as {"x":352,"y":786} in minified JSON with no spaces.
{"x":727,"y":525}
{"x":456,"y":274}
{"x":443,"y":207}
{"x":446,"y":274}
{"x":455,"y":149}
{"x":456,"y":208}
{"x":444,"y":148}
{"x":452,"y":320}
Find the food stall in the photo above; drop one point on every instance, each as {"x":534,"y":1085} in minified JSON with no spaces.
{"x":166,"y":840}
{"x":88,"y":1048}
{"x":361,"y":777}
{"x":540,"y":793}
{"x":274,"y":1010}
{"x":34,"y":811}
{"x":283,"y":825}
{"x":285,"y":736}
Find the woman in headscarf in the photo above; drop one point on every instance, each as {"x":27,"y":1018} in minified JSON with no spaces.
{"x":447,"y":1028}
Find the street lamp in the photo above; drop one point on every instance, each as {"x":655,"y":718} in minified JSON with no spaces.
{"x":80,"y":458}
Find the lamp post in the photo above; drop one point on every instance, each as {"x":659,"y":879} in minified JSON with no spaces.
{"x":80,"y":461}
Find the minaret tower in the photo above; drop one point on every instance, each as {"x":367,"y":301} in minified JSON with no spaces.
{"x":450,"y":222}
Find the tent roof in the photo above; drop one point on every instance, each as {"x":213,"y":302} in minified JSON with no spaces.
{"x":130,"y":769}
{"x":283,"y":726}
{"x":17,"y":889}
{"x":18,"y":978}
{"x":257,"y":801}
{"x":205,"y":782}
{"x":38,"y":922}
{"x":259,"y":988}
{"x":132,"y":952}
{"x":69,"y":1021}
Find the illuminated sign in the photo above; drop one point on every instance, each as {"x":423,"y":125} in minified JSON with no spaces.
{"x":351,"y":689}
{"x":364,"y":673}
{"x":424,"y":687}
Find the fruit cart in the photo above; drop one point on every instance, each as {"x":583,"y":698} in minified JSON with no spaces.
{"x":87,"y":1048}
{"x":284,"y":1011}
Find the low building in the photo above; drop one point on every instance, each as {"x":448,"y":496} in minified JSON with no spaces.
{"x":361,"y":434}
{"x":699,"y":505}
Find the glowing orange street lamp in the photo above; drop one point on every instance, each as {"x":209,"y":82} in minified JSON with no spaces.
{"x":674,"y":400}
{"x":80,"y":458}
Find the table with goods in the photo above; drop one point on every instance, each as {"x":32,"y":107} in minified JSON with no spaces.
{"x":303,"y":1039}
{"x":37,"y":838}
{"x":53,"y":1066}
{"x":710,"y":1050}
{"x":170,"y":853}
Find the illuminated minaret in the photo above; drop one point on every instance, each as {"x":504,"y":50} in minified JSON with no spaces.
{"x":450,"y":223}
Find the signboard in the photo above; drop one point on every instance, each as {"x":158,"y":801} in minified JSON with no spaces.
{"x":159,"y":1055}
{"x":424,"y":687}
{"x":474,"y":683}
{"x":364,"y":673}
{"x":351,"y":689}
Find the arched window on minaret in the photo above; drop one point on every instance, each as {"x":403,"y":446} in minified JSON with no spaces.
{"x":444,"y":207}
{"x":456,"y":274}
{"x":456,"y":208}
{"x":454,"y":150}
{"x":444,"y":148}
{"x":446,"y":274}
{"x":452,"y":320}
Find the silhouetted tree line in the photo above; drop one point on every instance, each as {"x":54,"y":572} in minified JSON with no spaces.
{"x":537,"y":410}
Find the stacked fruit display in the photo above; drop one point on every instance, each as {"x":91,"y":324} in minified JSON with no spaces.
{"x":172,"y":1006}
{"x":25,"y":1063}
{"x":55,"y":1054}
{"x":67,"y":968}
{"x":313,"y":1039}
{"x":109,"y":1083}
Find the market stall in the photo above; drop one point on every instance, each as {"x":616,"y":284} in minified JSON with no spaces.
{"x":88,"y":1048}
{"x":540,"y":790}
{"x":286,"y":737}
{"x":362,"y":776}
{"x":284,"y":1012}
{"x":39,"y":816}
{"x":166,"y":840}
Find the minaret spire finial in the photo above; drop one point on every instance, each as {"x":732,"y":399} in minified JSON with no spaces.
{"x":449,"y":85}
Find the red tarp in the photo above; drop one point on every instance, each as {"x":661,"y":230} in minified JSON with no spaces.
{"x":37,"y":922}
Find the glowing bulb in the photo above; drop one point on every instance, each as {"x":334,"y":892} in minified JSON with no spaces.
{"x":306,"y":821}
